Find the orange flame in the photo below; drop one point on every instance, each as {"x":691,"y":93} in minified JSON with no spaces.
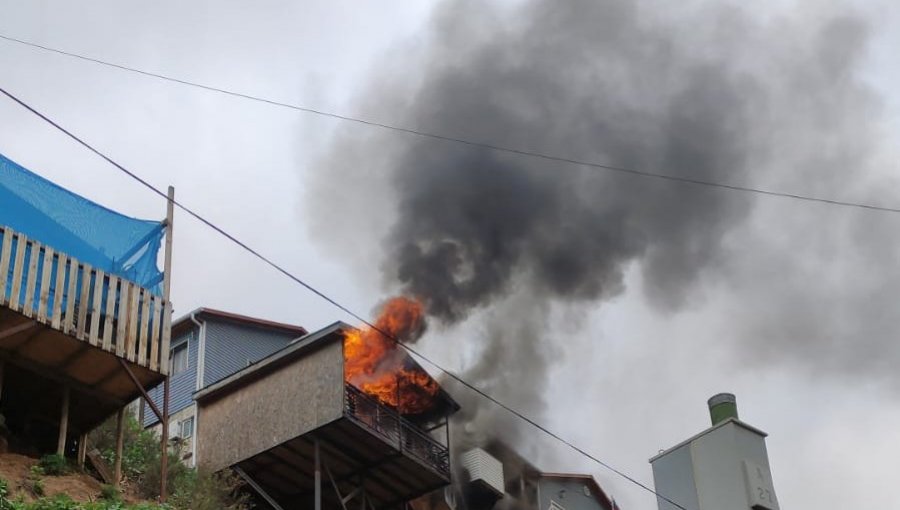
{"x":382,"y":369}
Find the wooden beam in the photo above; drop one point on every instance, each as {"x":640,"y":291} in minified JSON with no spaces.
{"x":19,"y":328}
{"x":120,"y":442}
{"x":63,"y":422}
{"x":259,"y":490}
{"x":139,"y":386}
{"x":82,"y":450}
{"x":167,"y":265}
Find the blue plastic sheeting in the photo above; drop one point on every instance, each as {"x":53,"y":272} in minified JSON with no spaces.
{"x":91,"y":233}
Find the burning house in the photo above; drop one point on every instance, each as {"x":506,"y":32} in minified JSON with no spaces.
{"x":338,"y":415}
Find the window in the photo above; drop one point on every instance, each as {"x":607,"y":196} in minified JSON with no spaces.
{"x":178,"y":361}
{"x":186,"y":428}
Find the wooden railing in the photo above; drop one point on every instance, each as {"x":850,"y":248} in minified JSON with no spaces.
{"x":106,"y":311}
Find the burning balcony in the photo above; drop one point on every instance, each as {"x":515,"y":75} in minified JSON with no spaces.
{"x":298,"y":429}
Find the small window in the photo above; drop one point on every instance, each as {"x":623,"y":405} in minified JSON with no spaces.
{"x":186,"y":428}
{"x":179,"y":359}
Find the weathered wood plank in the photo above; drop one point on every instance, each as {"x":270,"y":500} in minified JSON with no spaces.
{"x":84,"y":302}
{"x":144,"y":328}
{"x":166,"y":337}
{"x":58,"y":294}
{"x":34,"y":256}
{"x":122,"y":317}
{"x":71,"y":296}
{"x":133,"y":309}
{"x":18,"y":263}
{"x":156,"y":317}
{"x":46,"y":274}
{"x":111,"y":292}
{"x":97,"y":308}
{"x":5,"y":252}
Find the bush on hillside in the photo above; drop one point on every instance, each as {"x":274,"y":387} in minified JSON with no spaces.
{"x":54,"y":465}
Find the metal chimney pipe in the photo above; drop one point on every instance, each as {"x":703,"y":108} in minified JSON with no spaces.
{"x":722,"y":407}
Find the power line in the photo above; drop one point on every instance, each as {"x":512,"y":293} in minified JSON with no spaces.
{"x":343,"y":308}
{"x":468,"y":142}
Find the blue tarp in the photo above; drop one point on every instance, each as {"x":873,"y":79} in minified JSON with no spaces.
{"x":91,"y":233}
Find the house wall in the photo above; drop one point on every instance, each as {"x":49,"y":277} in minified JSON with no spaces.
{"x":568,"y":495}
{"x":182,"y":385}
{"x":292,"y":400}
{"x":231,"y":347}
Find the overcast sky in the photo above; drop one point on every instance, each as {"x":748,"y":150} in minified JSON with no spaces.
{"x":628,"y":378}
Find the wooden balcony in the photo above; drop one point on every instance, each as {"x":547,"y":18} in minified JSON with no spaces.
{"x":62,"y":320}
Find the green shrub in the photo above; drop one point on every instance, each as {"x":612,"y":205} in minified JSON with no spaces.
{"x":34,"y":481}
{"x":54,"y":465}
{"x":200,"y":490}
{"x":110,"y":493}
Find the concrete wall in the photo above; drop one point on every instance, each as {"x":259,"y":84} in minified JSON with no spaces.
{"x":288,"y":402}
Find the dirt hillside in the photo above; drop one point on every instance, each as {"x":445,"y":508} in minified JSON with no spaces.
{"x":14,"y":469}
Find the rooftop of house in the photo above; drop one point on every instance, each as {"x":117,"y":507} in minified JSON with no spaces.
{"x":586,"y":479}
{"x":203,"y":313}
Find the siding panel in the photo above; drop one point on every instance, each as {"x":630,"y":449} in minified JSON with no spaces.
{"x":181,"y":391}
{"x":231,"y":347}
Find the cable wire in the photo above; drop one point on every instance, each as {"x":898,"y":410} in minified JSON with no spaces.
{"x":468,"y":142}
{"x":343,"y":308}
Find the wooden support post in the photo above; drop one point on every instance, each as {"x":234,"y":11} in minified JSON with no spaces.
{"x":2,"y":368}
{"x":120,"y":443}
{"x":63,"y":423}
{"x":82,"y":450}
{"x":164,"y":462}
{"x":318,"y":478}
{"x":167,"y":263}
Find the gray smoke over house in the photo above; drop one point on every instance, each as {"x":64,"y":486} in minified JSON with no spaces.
{"x":715,"y":94}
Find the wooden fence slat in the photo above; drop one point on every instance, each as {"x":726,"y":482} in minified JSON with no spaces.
{"x":166,"y":338}
{"x":22,"y":242}
{"x":31,"y":283}
{"x":60,"y":290}
{"x":97,"y":308}
{"x":4,"y":262}
{"x":144,"y":327}
{"x":131,"y":343}
{"x":110,"y":312}
{"x":71,"y":297}
{"x":124,"y":300}
{"x":46,"y":275}
{"x":84,"y":302}
{"x":155,"y":339}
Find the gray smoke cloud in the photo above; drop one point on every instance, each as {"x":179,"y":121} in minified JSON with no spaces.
{"x":719,"y":94}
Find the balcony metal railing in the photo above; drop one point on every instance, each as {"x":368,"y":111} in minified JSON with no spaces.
{"x":62,"y":293}
{"x":396,"y":430}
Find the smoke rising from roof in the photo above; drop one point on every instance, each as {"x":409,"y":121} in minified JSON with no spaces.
{"x":719,"y":94}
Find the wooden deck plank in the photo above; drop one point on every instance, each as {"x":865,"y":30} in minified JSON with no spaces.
{"x":156,"y":317}
{"x":46,"y":274}
{"x":97,"y":308}
{"x":166,"y":339}
{"x":5,"y":252}
{"x":21,"y":243}
{"x":71,"y":294}
{"x":144,"y":327}
{"x":131,"y":344}
{"x":60,"y":291}
{"x":111,"y":293}
{"x":31,"y":283}
{"x":84,"y":302}
{"x":124,"y":300}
